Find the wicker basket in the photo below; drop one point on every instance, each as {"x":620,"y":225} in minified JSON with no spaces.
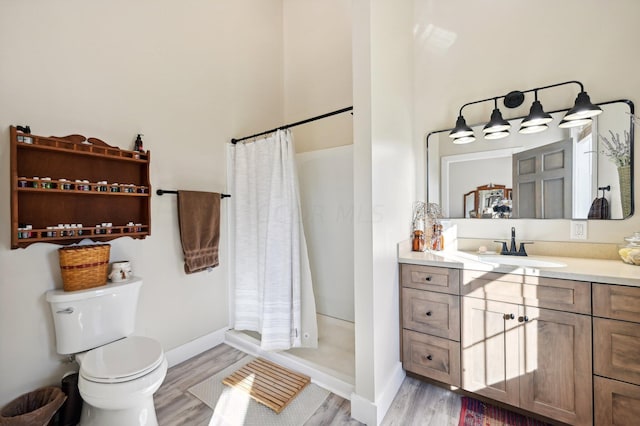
{"x":84,"y":267}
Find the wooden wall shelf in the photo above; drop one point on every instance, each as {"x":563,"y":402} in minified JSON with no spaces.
{"x":79,"y":181}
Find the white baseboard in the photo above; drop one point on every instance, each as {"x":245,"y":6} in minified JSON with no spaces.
{"x":363,"y":410}
{"x":390,"y":391}
{"x":333,"y":382}
{"x":195,"y":347}
{"x":371,"y":413}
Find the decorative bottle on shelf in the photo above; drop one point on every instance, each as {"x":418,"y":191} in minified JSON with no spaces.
{"x":138,"y":146}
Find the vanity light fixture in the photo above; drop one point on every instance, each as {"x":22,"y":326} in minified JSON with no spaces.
{"x":537,"y":121}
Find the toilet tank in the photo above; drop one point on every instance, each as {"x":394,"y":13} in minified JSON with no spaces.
{"x":86,"y":319}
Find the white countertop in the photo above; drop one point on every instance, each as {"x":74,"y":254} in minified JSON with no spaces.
{"x":580,"y":269}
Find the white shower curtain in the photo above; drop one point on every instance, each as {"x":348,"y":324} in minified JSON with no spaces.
{"x":273,"y":294}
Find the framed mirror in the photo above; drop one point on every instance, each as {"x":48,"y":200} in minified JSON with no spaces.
{"x":582,"y":172}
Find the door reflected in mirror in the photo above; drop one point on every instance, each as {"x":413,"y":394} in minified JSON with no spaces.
{"x":562,"y":173}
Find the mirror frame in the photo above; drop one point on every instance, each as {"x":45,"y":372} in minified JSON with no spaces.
{"x":628,"y":102}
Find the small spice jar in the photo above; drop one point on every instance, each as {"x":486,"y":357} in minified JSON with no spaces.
{"x":64,"y":184}
{"x":22,"y":182}
{"x":36,"y":182}
{"x":115,"y":187}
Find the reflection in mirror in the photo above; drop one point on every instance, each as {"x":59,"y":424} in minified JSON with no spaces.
{"x":583,"y":172}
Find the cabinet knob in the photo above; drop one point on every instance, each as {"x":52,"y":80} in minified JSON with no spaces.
{"x":428,"y":313}
{"x":428,"y":278}
{"x":523,"y":319}
{"x":429,"y":357}
{"x":509,"y":316}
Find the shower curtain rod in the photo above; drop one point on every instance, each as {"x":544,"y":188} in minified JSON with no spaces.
{"x":308,"y":120}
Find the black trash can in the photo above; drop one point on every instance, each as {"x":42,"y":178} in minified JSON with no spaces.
{"x":72,"y":407}
{"x":34,"y":408}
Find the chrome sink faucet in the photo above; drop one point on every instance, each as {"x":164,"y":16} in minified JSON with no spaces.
{"x":512,"y":250}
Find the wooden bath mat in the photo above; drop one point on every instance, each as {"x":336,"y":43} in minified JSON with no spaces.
{"x":268,"y":383}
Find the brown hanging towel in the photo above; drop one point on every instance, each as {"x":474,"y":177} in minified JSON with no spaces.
{"x":199,"y":219}
{"x":600,"y":206}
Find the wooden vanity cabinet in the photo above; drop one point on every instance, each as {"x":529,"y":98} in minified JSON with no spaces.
{"x":529,"y":354}
{"x":124,"y":201}
{"x":430,"y":321}
{"x":616,"y":346}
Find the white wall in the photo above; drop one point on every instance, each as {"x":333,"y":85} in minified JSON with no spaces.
{"x":189,"y":75}
{"x":326,"y":195}
{"x":383,"y":90}
{"x":317,"y":71}
{"x":458,"y":59}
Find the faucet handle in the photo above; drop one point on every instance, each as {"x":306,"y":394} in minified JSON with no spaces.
{"x":522,"y":251}
{"x":504,"y":246}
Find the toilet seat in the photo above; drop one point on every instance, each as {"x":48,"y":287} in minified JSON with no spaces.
{"x":121,"y":361}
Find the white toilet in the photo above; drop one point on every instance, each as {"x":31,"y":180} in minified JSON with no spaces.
{"x":119,"y":373}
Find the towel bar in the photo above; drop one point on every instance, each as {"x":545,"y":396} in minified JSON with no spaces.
{"x":166,"y":191}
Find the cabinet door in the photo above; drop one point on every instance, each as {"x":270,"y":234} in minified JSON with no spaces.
{"x":490,"y":355}
{"x":556,"y":371}
{"x":433,"y":313}
{"x":616,"y":403}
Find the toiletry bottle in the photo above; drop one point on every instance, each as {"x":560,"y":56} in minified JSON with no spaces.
{"x":418,"y":240}
{"x":138,"y":144}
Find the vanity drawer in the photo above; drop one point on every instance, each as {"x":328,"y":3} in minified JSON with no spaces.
{"x":617,"y":302}
{"x":550,"y":293}
{"x":432,"y":313}
{"x":431,"y":356}
{"x":615,"y":403}
{"x":443,"y":280}
{"x":616,"y":347}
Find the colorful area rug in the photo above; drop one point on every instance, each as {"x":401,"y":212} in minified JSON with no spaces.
{"x":477,"y":413}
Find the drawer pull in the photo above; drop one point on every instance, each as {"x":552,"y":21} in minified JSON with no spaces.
{"x":429,"y":357}
{"x":428,"y":313}
{"x":523,"y":319}
{"x":428,"y":278}
{"x":509,"y":316}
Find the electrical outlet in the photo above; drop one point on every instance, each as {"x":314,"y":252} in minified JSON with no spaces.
{"x":578,"y":230}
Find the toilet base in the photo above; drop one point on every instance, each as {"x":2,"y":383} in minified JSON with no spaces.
{"x":143,"y":414}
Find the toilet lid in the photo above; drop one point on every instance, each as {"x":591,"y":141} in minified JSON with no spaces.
{"x":122,"y":360}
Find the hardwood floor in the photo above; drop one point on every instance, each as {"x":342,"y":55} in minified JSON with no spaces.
{"x":417,"y":403}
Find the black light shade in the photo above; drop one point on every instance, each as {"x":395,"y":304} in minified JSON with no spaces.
{"x":464,"y":139}
{"x":536,"y":116}
{"x":583,"y":108}
{"x":566,"y":124}
{"x":497,"y":123}
{"x":461,"y":129}
{"x":496,"y":135}
{"x":526,"y":130}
